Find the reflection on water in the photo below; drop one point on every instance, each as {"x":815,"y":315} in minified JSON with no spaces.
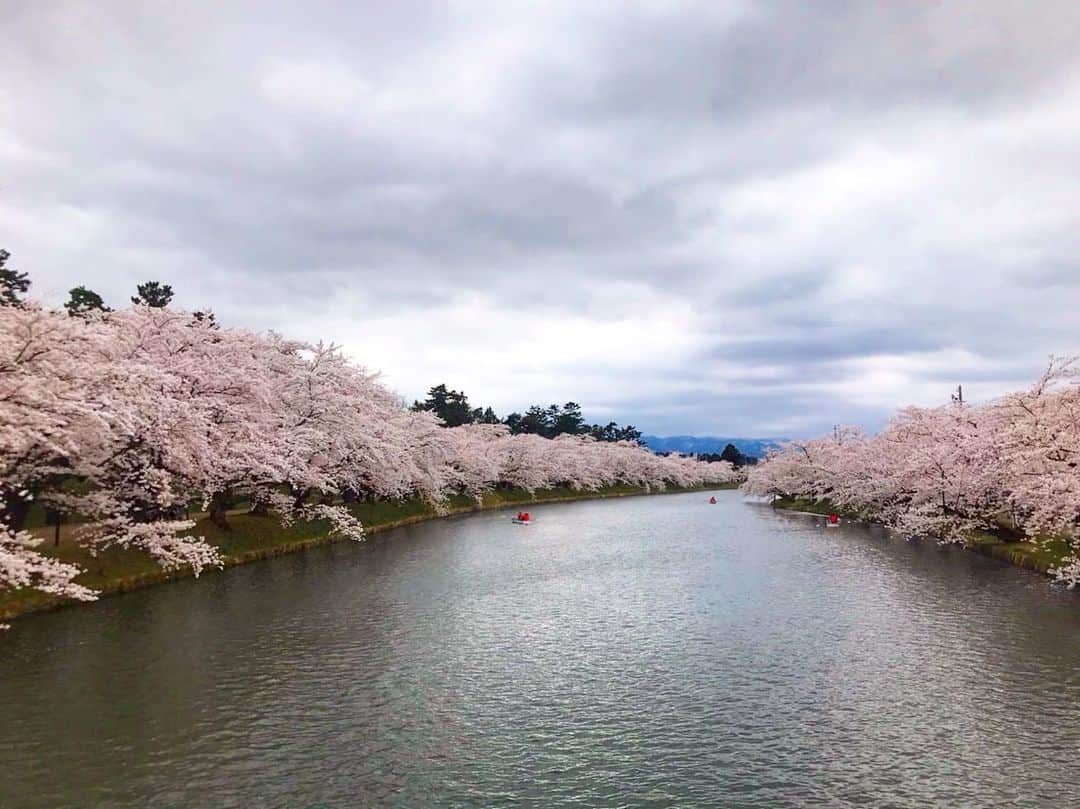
{"x":643,"y":652}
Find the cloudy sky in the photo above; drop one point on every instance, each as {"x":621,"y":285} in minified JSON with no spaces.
{"x":727,"y":218}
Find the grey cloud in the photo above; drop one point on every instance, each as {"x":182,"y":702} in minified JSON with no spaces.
{"x":845,"y":55}
{"x":567,"y":166}
{"x":798,"y":287}
{"x":827,"y":344}
{"x":1064,"y":273}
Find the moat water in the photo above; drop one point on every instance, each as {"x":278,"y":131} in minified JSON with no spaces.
{"x":652,"y":651}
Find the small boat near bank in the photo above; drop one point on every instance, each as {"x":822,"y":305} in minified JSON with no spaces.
{"x":522,"y":518}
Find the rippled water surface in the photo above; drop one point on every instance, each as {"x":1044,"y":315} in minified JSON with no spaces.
{"x":642,"y":652}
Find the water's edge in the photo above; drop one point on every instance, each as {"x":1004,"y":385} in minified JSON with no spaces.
{"x":994,"y":546}
{"x":493,"y":501}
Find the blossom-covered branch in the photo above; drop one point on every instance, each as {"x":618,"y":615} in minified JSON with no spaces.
{"x":132,"y":419}
{"x":1011,"y":463}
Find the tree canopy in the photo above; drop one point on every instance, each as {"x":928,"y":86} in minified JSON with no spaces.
{"x":452,"y":406}
{"x":13,"y":284}
{"x":732,"y":454}
{"x":948,"y":471}
{"x":132,"y":419}
{"x":82,"y":300}
{"x":153,"y":294}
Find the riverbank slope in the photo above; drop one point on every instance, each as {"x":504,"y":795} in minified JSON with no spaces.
{"x":253,"y":537}
{"x":1041,"y":555}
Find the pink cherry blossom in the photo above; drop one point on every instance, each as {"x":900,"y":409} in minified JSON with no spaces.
{"x":1011,"y":463}
{"x":136,"y":418}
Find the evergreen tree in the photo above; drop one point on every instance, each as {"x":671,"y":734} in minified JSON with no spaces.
{"x":732,"y":455}
{"x":82,"y":300}
{"x":153,"y":294}
{"x":206,"y":317}
{"x":13,"y":283}
{"x":569,"y":420}
{"x":608,"y":432}
{"x":537,"y":421}
{"x":451,"y":406}
{"x":485,"y":416}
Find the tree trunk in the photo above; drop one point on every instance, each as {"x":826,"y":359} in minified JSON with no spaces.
{"x":299,"y":497}
{"x":16,"y":509}
{"x":219,"y":506}
{"x":260,"y":508}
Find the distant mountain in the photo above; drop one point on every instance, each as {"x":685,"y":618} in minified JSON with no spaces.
{"x":694,"y":444}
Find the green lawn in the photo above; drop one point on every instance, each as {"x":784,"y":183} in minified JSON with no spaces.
{"x":253,"y":537}
{"x":1041,"y":553}
{"x":809,"y":505}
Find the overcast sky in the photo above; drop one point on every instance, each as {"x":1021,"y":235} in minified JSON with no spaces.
{"x":727,"y":218}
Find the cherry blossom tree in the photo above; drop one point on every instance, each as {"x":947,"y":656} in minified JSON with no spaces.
{"x":134,"y":419}
{"x":22,"y":566}
{"x":1011,"y":464}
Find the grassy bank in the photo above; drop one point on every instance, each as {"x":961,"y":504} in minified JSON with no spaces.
{"x":1040,"y":555}
{"x":252,"y":537}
